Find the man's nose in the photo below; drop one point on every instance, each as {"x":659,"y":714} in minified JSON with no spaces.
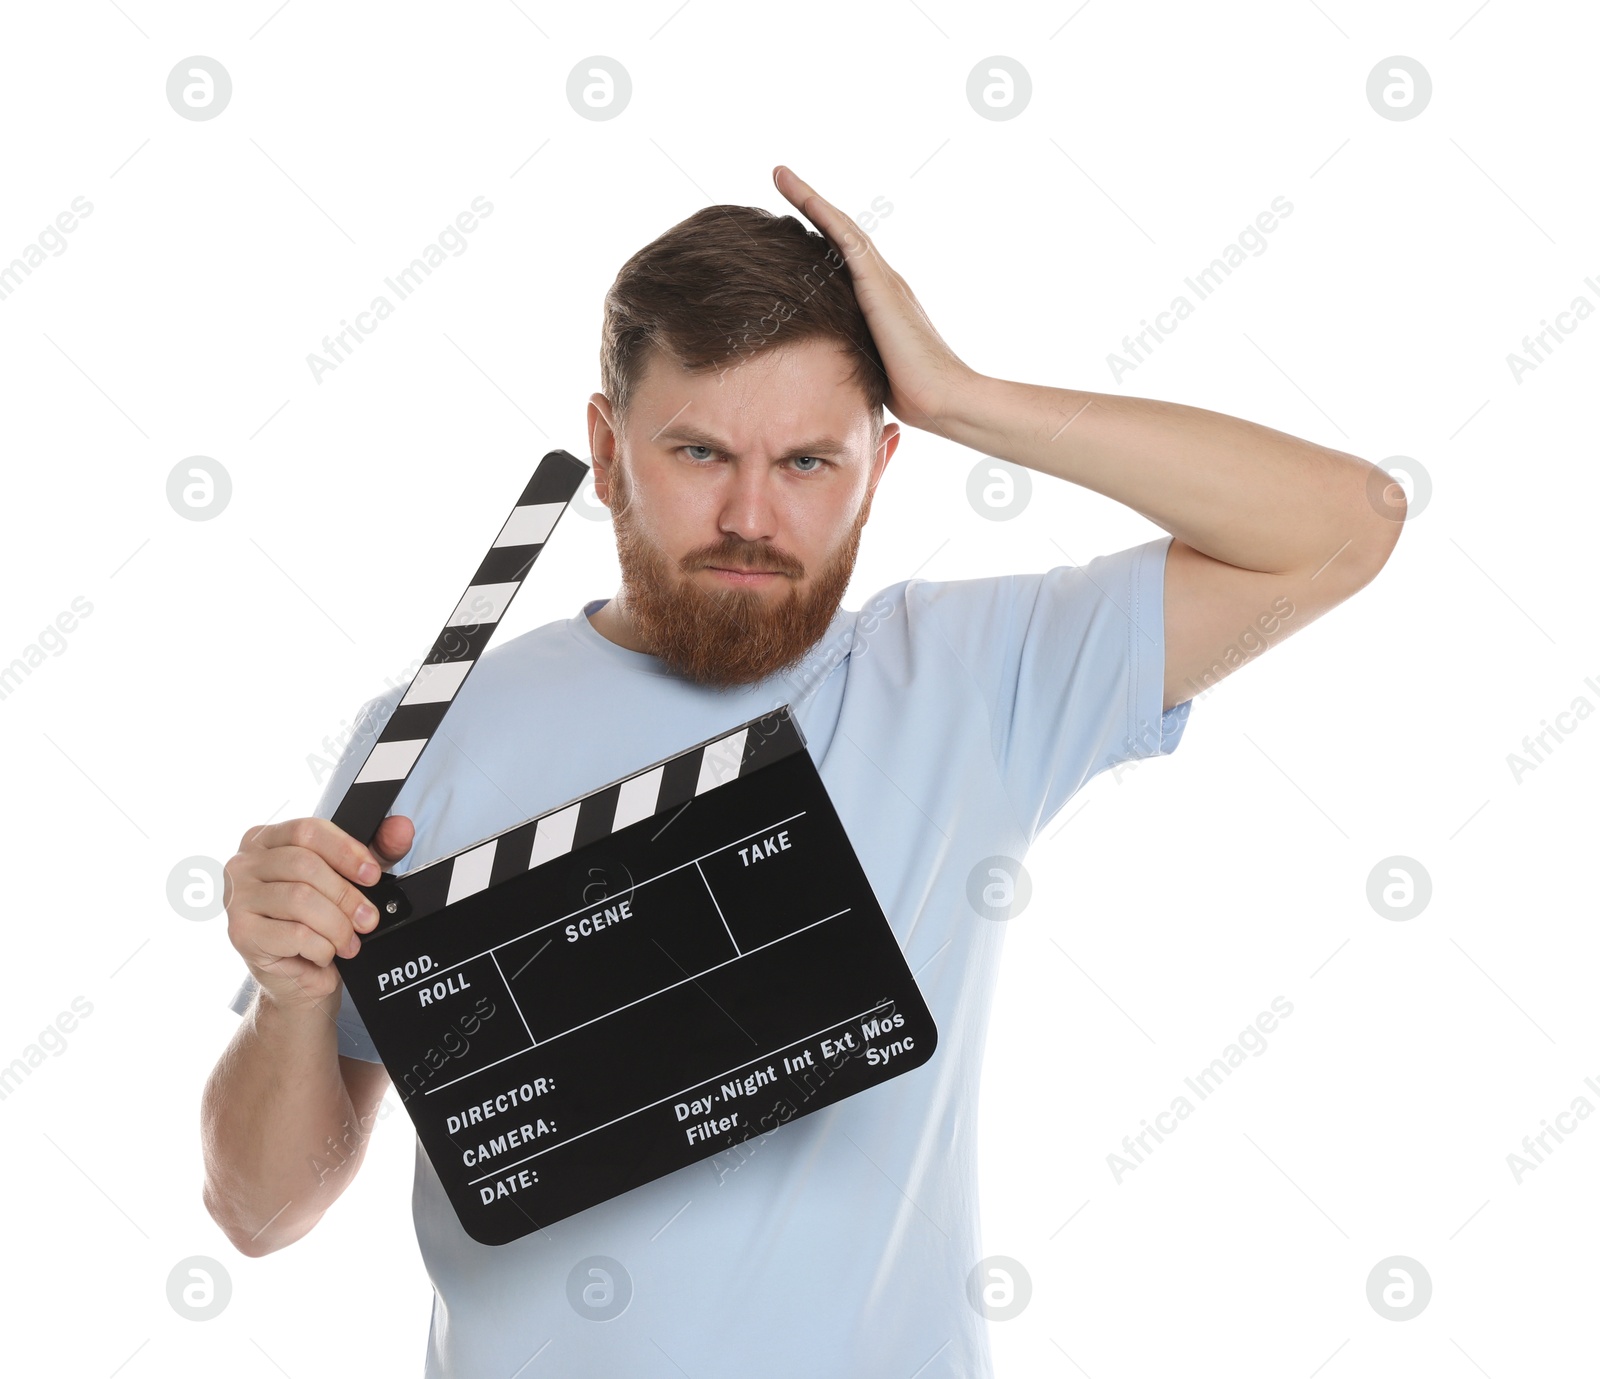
{"x":748,"y":507}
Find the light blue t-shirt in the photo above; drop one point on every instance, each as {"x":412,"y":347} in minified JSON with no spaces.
{"x":949,"y":722}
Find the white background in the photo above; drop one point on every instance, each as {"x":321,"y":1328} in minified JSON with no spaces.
{"x":1172,"y":902}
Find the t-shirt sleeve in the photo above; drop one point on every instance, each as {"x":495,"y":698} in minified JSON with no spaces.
{"x":1069,"y":663}
{"x":354,"y":1041}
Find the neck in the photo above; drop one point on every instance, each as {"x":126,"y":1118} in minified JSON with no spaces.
{"x":612,"y":622}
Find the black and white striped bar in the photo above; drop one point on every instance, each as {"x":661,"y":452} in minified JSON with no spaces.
{"x":459,"y":644}
{"x":667,"y":785}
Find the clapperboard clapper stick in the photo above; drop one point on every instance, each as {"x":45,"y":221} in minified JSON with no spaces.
{"x":634,"y":981}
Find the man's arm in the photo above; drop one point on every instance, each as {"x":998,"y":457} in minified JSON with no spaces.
{"x":285,"y":1118}
{"x":1270,"y":531}
{"x":285,"y":1125}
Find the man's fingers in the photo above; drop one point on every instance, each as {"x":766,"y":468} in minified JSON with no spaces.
{"x":322,"y":836}
{"x":302,"y":902}
{"x":841,"y":231}
{"x":291,"y":863}
{"x":285,"y":940}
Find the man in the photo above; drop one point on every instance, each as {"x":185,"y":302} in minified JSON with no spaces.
{"x":738,"y":442}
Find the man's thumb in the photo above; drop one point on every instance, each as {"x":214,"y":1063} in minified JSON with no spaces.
{"x":393,"y":839}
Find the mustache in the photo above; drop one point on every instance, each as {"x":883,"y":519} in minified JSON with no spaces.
{"x":733,"y":560}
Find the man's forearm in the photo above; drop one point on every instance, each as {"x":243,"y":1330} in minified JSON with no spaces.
{"x":272,"y":1106}
{"x":1234,"y":490}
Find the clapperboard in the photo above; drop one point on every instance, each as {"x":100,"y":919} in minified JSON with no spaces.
{"x":644,"y":977}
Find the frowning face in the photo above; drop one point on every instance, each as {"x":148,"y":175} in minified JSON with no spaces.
{"x":738,"y":501}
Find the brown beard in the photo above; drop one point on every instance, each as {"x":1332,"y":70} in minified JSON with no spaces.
{"x":728,"y":636}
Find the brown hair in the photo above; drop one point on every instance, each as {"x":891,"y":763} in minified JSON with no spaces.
{"x":716,"y":288}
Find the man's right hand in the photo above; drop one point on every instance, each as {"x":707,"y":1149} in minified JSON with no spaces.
{"x":292,"y":906}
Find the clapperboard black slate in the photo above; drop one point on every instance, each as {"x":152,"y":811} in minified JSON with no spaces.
{"x":637,"y":980}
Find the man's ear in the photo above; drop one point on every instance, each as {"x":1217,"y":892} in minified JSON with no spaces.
{"x":602,"y":444}
{"x":888,"y":443}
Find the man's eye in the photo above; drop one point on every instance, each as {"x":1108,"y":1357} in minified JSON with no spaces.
{"x":807,"y":464}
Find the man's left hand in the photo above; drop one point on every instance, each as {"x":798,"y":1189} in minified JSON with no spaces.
{"x":926,"y":379}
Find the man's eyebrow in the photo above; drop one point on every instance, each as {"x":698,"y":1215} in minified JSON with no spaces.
{"x":693,"y":435}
